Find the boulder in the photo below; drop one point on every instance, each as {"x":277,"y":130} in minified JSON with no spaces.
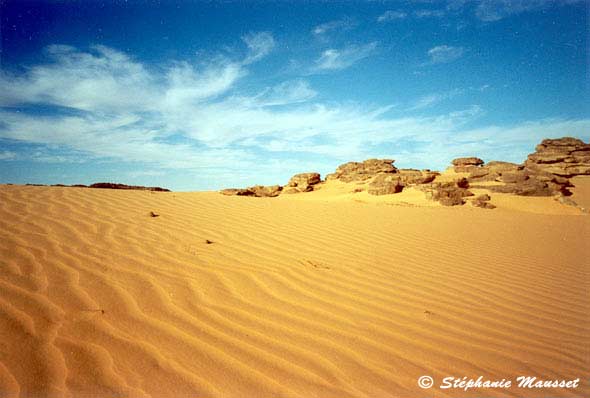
{"x":483,"y":202}
{"x":385,"y":184}
{"x":362,"y":171}
{"x":304,"y":182}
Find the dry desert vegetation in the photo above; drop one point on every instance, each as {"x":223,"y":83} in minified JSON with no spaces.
{"x":352,"y":286}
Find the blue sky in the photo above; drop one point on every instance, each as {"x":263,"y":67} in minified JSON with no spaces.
{"x":197,"y":95}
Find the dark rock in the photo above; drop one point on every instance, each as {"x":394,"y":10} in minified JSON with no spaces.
{"x":462,"y":183}
{"x":110,"y":185}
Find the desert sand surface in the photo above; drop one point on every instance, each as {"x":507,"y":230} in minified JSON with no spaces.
{"x":323,"y":294}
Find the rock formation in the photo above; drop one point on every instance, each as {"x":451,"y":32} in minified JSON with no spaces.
{"x":466,"y":165}
{"x":483,"y":201}
{"x":385,"y":184}
{"x":447,"y":193}
{"x":565,"y":157}
{"x":259,"y":191}
{"x":362,"y":171}
{"x":413,"y":176}
{"x":111,"y":185}
{"x":303,"y":182}
{"x":545,"y":173}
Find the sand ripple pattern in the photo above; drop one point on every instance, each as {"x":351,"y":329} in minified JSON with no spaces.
{"x":245,"y":297}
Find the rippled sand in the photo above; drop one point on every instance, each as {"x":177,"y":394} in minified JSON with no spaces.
{"x":326,"y":294}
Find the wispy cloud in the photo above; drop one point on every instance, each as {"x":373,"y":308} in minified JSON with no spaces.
{"x":429,"y":13}
{"x":326,"y":28}
{"x":495,"y":10}
{"x":391,"y":15}
{"x":259,"y":44}
{"x":432,"y":99}
{"x":192,"y":117}
{"x":335,"y":59}
{"x":288,"y":92}
{"x":443,"y":54}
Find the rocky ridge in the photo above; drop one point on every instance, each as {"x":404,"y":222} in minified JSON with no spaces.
{"x":546,"y":172}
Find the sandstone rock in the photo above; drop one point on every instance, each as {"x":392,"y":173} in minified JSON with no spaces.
{"x":514,"y":177}
{"x":413,"y":176}
{"x":290,"y":190}
{"x":566,"y":157}
{"x":480,"y":173}
{"x":448,"y":193}
{"x":471,"y":161}
{"x":499,"y":166}
{"x":385,"y":184}
{"x":492,"y":171}
{"x":304,"y":182}
{"x":483,"y":198}
{"x":466,"y":165}
{"x":259,"y":191}
{"x":462,"y":183}
{"x":529,"y":187}
{"x":483,"y":202}
{"x":361,"y":171}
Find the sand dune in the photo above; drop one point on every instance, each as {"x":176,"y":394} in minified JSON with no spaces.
{"x":322,"y":294}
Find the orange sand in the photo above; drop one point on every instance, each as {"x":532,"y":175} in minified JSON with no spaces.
{"x":324,"y":294}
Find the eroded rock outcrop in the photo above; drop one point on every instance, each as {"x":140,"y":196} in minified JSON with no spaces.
{"x":466,"y":165}
{"x":447,"y":193}
{"x":303,"y":182}
{"x":413,"y":176}
{"x":259,"y":191}
{"x":385,"y":184}
{"x":362,"y":171}
{"x":565,"y":157}
{"x":492,"y":171}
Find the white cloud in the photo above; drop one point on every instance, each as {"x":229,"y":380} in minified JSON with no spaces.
{"x":443,"y":54}
{"x":332,"y":26}
{"x":434,"y":98}
{"x":288,"y":92}
{"x":429,"y":13}
{"x":193,"y":117}
{"x":260,"y":45}
{"x":495,"y":10}
{"x":335,"y":59}
{"x":391,"y":15}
